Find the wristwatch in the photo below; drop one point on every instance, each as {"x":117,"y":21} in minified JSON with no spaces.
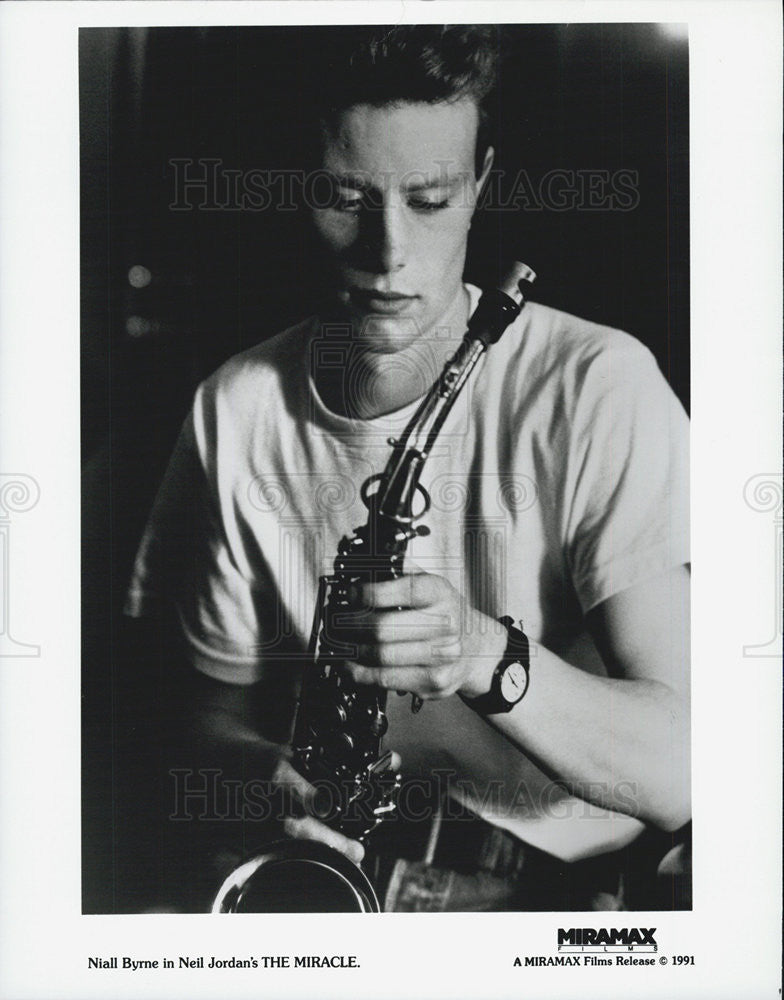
{"x":510,"y":678}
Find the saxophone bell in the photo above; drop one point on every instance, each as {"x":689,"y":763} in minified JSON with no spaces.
{"x":297,"y":876}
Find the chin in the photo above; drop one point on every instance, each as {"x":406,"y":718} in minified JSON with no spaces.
{"x":386,"y":335}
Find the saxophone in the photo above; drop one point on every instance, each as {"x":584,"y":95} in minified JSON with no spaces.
{"x":339,"y":725}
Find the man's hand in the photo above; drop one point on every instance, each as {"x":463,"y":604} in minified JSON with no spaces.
{"x":302,"y":808}
{"x":225,"y":718}
{"x":418,"y":634}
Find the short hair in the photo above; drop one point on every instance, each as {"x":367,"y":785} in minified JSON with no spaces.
{"x":408,"y":63}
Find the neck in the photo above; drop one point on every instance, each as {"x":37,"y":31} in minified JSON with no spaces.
{"x":368,"y":384}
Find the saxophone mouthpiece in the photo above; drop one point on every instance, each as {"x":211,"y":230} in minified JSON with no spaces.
{"x":517,"y":281}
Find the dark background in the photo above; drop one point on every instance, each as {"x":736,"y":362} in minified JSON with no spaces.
{"x":576,"y":97}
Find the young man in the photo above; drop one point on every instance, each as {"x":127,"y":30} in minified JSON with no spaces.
{"x":559,"y":486}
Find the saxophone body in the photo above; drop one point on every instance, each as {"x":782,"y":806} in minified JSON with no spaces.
{"x":340,"y":726}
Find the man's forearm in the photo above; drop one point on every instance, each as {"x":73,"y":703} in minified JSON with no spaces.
{"x":604,"y":735}
{"x":223,"y":725}
{"x":195,"y":721}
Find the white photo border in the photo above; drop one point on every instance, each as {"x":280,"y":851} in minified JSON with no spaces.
{"x":734,"y":928}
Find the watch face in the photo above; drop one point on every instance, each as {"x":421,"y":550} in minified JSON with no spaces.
{"x":514,"y":681}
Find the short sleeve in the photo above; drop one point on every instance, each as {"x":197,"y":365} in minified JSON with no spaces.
{"x":627,"y":516}
{"x":185,"y":561}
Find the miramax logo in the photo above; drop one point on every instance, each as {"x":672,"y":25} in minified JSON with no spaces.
{"x":607,"y":939}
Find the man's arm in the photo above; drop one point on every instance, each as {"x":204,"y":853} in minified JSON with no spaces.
{"x":598,"y":734}
{"x":232,"y":719}
{"x":242,"y":730}
{"x":603,"y":735}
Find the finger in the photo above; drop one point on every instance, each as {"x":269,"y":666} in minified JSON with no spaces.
{"x":299,"y":794}
{"x":427,"y":682}
{"x":308,"y":828}
{"x":412,"y":590}
{"x":405,"y":626}
{"x":416,"y":653}
{"x":301,"y":798}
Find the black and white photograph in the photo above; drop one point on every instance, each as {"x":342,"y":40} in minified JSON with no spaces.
{"x":390,"y":499}
{"x":397,"y":508}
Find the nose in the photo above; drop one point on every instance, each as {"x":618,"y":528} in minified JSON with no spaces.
{"x":386,"y":239}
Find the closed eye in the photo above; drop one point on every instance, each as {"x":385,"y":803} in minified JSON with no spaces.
{"x":355,"y":205}
{"x":349,"y":205}
{"x":429,"y":206}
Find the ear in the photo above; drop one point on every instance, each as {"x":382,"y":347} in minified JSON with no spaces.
{"x":486,"y":167}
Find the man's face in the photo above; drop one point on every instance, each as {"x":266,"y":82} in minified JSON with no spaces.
{"x":397,"y":227}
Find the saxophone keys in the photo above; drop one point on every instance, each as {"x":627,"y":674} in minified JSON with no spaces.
{"x":378,"y":723}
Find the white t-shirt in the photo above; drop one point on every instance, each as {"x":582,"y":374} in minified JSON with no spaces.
{"x":560,"y":478}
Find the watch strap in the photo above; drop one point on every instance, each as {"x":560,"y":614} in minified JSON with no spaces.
{"x":517,"y":651}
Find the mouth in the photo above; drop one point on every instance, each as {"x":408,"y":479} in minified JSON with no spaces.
{"x":375,"y":301}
